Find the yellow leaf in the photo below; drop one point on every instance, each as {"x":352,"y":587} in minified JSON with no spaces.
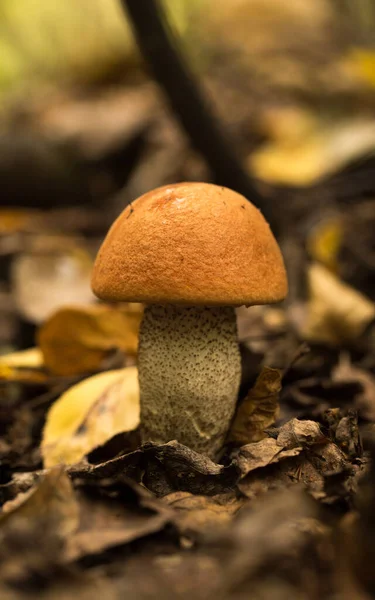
{"x":15,"y":220}
{"x":302,"y":161}
{"x":336,"y":312}
{"x":325,"y":241}
{"x":24,"y":366}
{"x":89,"y":414}
{"x":31,"y":358}
{"x":77,"y":339}
{"x":362,"y":60}
{"x":258,"y":410}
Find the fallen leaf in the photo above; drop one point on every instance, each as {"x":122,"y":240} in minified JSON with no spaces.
{"x":97,"y":515}
{"x":258,"y":546}
{"x":336,"y":312}
{"x":77,"y":339}
{"x":346,"y":372}
{"x":25,"y":366}
{"x":33,"y":530}
{"x":262,"y":454}
{"x":258,"y":410}
{"x":53,"y":272}
{"x":24,"y":359}
{"x":286,"y":442}
{"x":51,"y":500}
{"x":304,"y":160}
{"x":296,"y":470}
{"x":113,"y":513}
{"x":13,"y":221}
{"x":26,"y":376}
{"x":324,"y":242}
{"x":362,"y":61}
{"x":89,"y":414}
{"x":165,"y":468}
{"x":195,"y":516}
{"x":299,"y":433}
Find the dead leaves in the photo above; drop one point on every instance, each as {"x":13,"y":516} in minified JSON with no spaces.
{"x":346,"y":372}
{"x":52,"y":500}
{"x":197,"y":516}
{"x":336,"y":312}
{"x":89,"y":414}
{"x":78,"y":339}
{"x":259,"y":409}
{"x":165,"y":468}
{"x":87,"y":519}
{"x":262,"y":454}
{"x":289,"y":441}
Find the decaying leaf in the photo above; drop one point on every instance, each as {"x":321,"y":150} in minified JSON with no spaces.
{"x":337,"y":313}
{"x":96,"y":516}
{"x":165,"y":468}
{"x":287,"y":441}
{"x":345,"y":371}
{"x":262,"y":454}
{"x":259,"y":409}
{"x":77,"y":339}
{"x":197,"y":515}
{"x":50,"y":500}
{"x":89,"y":414}
{"x":267,"y":535}
{"x":114,"y":513}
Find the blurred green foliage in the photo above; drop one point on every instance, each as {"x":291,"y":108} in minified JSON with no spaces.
{"x":73,"y":40}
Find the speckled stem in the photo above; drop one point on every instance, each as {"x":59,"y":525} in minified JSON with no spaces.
{"x":189,"y":374}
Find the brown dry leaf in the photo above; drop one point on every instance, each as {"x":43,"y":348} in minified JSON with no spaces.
{"x":336,"y":312}
{"x":299,"y":433}
{"x":259,"y":409}
{"x":165,"y":468}
{"x":112,"y":513}
{"x":51,"y":500}
{"x":262,"y":454}
{"x":196,"y":515}
{"x":77,"y":339}
{"x":287,"y":441}
{"x":89,"y":414}
{"x":346,"y":372}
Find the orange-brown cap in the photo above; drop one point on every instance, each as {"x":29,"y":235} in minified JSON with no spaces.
{"x":190,"y":243}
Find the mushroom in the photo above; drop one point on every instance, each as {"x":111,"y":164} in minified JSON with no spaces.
{"x":191,"y":252}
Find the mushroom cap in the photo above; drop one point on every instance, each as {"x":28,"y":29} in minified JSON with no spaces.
{"x":193,"y":244}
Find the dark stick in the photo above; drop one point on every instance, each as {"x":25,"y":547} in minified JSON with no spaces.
{"x":162,"y":52}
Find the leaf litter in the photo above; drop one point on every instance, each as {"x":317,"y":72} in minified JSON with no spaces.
{"x":287,"y":510}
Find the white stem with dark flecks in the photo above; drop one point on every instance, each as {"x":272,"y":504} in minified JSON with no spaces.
{"x":189,"y":374}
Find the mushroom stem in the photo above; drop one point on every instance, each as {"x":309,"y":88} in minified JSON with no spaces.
{"x":189,"y":373}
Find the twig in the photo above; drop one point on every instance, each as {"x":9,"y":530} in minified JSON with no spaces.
{"x":161,"y":49}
